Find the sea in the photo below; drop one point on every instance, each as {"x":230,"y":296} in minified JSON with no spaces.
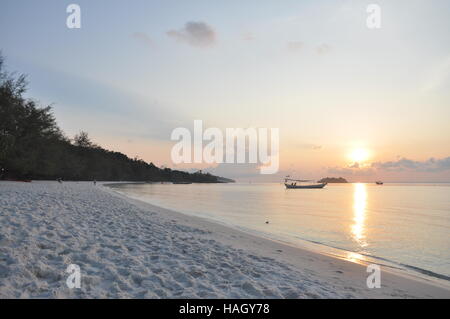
{"x":401,"y":226}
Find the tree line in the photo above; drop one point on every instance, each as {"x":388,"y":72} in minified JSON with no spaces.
{"x":32,"y":146}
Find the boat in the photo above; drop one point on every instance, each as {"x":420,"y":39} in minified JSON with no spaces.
{"x":379,"y":182}
{"x":292,"y":184}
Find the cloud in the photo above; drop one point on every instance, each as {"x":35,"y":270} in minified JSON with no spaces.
{"x":295,"y":46}
{"x":404,"y":164}
{"x":198,"y":34}
{"x":351,"y":171}
{"x":144,"y":38}
{"x":431,"y":165}
{"x":323,"y":49}
{"x":354,"y":165}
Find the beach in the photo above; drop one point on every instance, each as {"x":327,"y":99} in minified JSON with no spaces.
{"x":126,"y":248}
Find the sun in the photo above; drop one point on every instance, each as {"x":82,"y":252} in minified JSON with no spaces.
{"x":359,"y":155}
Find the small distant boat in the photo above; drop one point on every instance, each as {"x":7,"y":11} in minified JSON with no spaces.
{"x":379,"y":182}
{"x":292,"y":184}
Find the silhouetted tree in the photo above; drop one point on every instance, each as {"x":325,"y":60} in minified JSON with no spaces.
{"x":32,"y":146}
{"x":82,"y":140}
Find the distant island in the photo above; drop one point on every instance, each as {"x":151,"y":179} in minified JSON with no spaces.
{"x":333,"y":180}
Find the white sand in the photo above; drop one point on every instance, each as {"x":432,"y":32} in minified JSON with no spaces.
{"x":129,"y":249}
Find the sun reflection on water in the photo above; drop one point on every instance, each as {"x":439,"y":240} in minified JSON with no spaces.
{"x":359,"y":213}
{"x":354,"y":257}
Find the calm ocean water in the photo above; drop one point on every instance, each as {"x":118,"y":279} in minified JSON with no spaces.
{"x":401,"y":225}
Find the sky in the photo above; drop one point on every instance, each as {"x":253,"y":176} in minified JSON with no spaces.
{"x":137,"y":70}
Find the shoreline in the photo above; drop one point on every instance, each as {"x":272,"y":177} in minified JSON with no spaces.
{"x":127,"y":248}
{"x":257,"y":242}
{"x":390,"y":266}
